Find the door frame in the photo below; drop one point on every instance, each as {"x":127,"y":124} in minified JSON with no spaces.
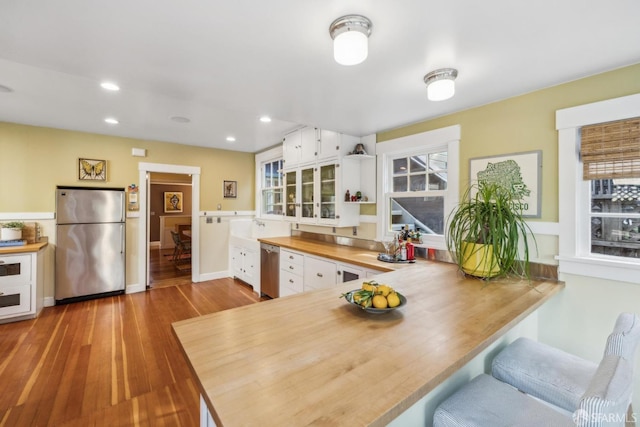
{"x":143,"y":231}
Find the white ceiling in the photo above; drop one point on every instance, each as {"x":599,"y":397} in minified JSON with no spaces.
{"x":223,"y":64}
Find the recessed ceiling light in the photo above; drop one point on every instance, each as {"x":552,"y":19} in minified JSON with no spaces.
{"x":180,"y":119}
{"x":111,"y":121}
{"x":110,"y":86}
{"x":4,"y":88}
{"x":231,"y":139}
{"x":265,"y":119}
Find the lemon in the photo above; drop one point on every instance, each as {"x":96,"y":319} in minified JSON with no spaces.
{"x":393,"y":299}
{"x":384,"y":290}
{"x":357,"y":297}
{"x":379,"y":301}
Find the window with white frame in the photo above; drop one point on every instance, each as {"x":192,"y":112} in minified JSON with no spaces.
{"x":418,"y":183}
{"x":599,"y":183}
{"x":269,"y":183}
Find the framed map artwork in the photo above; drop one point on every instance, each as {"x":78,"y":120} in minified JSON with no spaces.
{"x":519,"y":171}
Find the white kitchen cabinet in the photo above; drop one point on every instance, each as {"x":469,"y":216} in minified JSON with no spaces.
{"x":316,"y":194}
{"x":245,"y":265}
{"x":291,"y":272}
{"x":334,"y":145}
{"x":299,"y":147}
{"x":319,"y":273}
{"x":21,"y":285}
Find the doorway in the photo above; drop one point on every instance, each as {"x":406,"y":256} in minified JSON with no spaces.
{"x":170,"y":219}
{"x":145,"y":172}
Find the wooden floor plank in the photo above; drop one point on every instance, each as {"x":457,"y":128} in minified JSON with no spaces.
{"x":110,"y":361}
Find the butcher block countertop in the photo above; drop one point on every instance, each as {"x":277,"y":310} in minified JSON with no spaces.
{"x":30,"y":247}
{"x":362,"y":257}
{"x":314,"y":359}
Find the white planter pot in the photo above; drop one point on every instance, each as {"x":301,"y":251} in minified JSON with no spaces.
{"x":10,"y":233}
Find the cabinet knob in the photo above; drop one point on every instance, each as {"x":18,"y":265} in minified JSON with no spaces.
{"x":290,"y":280}
{"x":290,"y":256}
{"x":319,"y":274}
{"x":339,"y":273}
{"x":291,"y":267}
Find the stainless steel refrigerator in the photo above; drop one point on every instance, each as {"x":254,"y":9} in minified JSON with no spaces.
{"x":90,"y":242}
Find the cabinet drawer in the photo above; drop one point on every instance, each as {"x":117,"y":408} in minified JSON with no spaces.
{"x":291,"y":257}
{"x":14,"y":300}
{"x":15,"y":269}
{"x":292,"y":268}
{"x":319,"y":273}
{"x":290,"y":283}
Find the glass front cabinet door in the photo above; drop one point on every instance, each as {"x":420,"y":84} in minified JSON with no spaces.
{"x":328,"y":183}
{"x":291,"y":195}
{"x":307,"y":183}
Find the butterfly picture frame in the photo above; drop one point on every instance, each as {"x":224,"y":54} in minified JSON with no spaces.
{"x":92,"y":170}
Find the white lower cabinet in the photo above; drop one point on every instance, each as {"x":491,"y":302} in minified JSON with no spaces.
{"x":245,"y":265}
{"x":319,"y":273}
{"x":291,"y":272}
{"x":21,"y":286}
{"x":301,"y":272}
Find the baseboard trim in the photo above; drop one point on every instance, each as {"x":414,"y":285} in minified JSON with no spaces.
{"x":49,"y":301}
{"x":213,"y":276}
{"x":134,"y":288}
{"x":154,"y":245}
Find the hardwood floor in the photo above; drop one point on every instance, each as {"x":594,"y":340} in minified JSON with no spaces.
{"x":164,"y":272}
{"x":110,"y":361}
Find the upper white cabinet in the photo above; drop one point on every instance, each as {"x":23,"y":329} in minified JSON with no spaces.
{"x":316,"y":193}
{"x":299,"y":147}
{"x":309,"y":144}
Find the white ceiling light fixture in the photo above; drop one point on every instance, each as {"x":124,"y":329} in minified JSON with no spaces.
{"x":111,"y":120}
{"x":110,"y":86}
{"x":265,"y":119}
{"x":231,"y":139}
{"x":441,"y":84}
{"x":350,"y":34}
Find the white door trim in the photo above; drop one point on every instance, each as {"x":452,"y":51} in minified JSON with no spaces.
{"x":143,"y":231}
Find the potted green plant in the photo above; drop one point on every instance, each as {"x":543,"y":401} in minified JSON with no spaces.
{"x":11,"y":230}
{"x":486,"y":230}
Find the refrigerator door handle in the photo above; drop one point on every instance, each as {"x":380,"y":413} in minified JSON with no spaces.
{"x":122,"y":242}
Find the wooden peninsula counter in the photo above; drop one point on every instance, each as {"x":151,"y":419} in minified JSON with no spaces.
{"x":314,"y":359}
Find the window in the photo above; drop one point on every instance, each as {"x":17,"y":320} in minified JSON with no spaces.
{"x":599,"y":209}
{"x":269,"y":183}
{"x":418,"y":183}
{"x":610,"y":154}
{"x":272,"y":188}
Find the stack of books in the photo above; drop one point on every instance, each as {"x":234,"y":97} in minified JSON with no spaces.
{"x":12,"y":243}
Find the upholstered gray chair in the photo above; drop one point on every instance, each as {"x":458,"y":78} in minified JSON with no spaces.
{"x":567,"y":390}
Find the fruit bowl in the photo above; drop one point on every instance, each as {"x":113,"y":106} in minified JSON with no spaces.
{"x":349,"y":297}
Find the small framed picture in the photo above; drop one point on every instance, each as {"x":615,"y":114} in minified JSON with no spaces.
{"x":172,"y":201}
{"x":230,"y":189}
{"x":92,"y":170}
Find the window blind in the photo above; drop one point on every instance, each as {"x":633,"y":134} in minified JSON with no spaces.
{"x":611,"y":150}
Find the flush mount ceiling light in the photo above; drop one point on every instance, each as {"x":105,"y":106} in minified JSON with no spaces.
{"x":265,"y":119}
{"x":231,"y":139}
{"x":111,"y":120}
{"x":441,"y":84}
{"x":110,"y":86}
{"x":350,"y":36}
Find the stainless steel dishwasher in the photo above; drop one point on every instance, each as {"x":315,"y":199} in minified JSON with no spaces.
{"x":269,"y":270}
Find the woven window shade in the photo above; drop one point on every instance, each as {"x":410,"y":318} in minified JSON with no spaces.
{"x":611,"y":150}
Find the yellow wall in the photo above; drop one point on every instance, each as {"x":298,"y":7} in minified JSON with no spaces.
{"x":33,"y":160}
{"x":526,"y":123}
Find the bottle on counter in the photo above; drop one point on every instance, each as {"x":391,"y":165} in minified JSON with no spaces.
{"x":403,"y":251}
{"x":410,"y":252}
{"x":347,"y":196}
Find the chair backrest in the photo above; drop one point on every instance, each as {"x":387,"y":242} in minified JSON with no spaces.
{"x":608,"y":396}
{"x":176,"y":238}
{"x":625,"y":337}
{"x":607,"y":399}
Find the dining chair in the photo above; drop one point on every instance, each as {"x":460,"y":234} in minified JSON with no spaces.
{"x":182,"y":247}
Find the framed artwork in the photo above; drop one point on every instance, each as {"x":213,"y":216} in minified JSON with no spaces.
{"x":172,"y":202}
{"x":230,"y":189}
{"x":92,"y":170}
{"x":522,"y":172}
